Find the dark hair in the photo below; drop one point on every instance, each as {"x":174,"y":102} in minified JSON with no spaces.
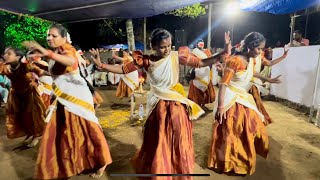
{"x":17,"y":51}
{"x":62,"y":30}
{"x":77,"y":47}
{"x":127,"y":51}
{"x":253,"y":40}
{"x":197,"y":42}
{"x":33,"y":52}
{"x":117,"y":62}
{"x":158,"y":35}
{"x":298,"y":32}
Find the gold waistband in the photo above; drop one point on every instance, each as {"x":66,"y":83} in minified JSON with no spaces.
{"x":47,"y":86}
{"x":243,"y":93}
{"x":131,"y":81}
{"x":179,"y":88}
{"x":72,"y":99}
{"x":202,"y":81}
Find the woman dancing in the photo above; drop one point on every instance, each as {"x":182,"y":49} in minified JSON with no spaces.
{"x":26,"y":111}
{"x":167,"y":145}
{"x":238,"y":131}
{"x":73,"y":140}
{"x":129,"y":82}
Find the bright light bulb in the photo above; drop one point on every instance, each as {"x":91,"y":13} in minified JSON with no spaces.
{"x":248,"y":3}
{"x":232,"y":9}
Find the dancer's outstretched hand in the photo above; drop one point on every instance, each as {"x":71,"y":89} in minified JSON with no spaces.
{"x":95,"y":56}
{"x":227,"y":41}
{"x":285,"y":51}
{"x":33,"y":45}
{"x":219,"y":67}
{"x":221,"y":114}
{"x":275,"y":80}
{"x":227,"y":38}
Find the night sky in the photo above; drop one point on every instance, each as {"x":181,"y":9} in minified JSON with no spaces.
{"x":274,"y":27}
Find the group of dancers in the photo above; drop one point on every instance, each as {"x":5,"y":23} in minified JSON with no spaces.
{"x":62,"y":112}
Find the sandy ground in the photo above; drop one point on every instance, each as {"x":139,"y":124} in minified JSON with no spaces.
{"x":294,"y":146}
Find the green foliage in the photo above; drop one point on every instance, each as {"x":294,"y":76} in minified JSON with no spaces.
{"x":17,"y":29}
{"x":192,"y":11}
{"x":6,"y":19}
{"x":112,"y":27}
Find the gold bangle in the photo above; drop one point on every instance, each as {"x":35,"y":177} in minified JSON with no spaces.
{"x":50,"y":54}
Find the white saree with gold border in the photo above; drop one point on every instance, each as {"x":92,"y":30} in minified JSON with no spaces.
{"x":164,"y":84}
{"x":236,"y":91}
{"x":256,"y":81}
{"x":202,"y":75}
{"x":131,"y":79}
{"x":45,"y":85}
{"x":72,"y":92}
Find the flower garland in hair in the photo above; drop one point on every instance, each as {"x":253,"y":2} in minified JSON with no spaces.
{"x":240,"y":46}
{"x":24,"y":60}
{"x":69,"y":39}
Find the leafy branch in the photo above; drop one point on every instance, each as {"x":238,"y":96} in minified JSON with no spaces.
{"x":192,"y":11}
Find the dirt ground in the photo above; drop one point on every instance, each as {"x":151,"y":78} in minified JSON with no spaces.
{"x":294,"y":145}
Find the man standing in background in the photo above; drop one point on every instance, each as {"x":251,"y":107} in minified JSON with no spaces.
{"x":298,"y":40}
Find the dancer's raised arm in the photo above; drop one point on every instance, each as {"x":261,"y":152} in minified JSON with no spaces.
{"x":97,"y":60}
{"x":66,"y":58}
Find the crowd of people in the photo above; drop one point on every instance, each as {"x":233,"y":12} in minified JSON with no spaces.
{"x":51,"y":99}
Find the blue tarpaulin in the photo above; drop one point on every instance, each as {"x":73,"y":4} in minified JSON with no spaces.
{"x":277,"y":6}
{"x":84,"y":10}
{"x":138,"y":45}
{"x":113,"y":46}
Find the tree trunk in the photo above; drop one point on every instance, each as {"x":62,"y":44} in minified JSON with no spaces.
{"x":130,"y":35}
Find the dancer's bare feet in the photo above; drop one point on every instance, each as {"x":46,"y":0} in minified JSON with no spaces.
{"x":98,"y":173}
{"x":205,"y":108}
{"x":97,"y":105}
{"x":34,"y":142}
{"x":26,"y":140}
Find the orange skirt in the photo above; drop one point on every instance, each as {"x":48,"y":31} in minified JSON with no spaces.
{"x":46,"y":100}
{"x":200,"y":97}
{"x":25,"y":114}
{"x":167,"y":143}
{"x":70,"y":144}
{"x":123,"y":89}
{"x":257,"y":98}
{"x":97,"y":98}
{"x":237,"y":140}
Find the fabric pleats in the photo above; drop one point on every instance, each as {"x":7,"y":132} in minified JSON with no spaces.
{"x":237,"y":141}
{"x":25,"y":113}
{"x":71,"y":144}
{"x":257,"y":98}
{"x":200,"y":97}
{"x":123,"y":90}
{"x":167,"y":143}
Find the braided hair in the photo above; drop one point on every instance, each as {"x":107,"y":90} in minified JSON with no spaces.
{"x":158,"y":35}
{"x":253,"y":40}
{"x":61,"y":29}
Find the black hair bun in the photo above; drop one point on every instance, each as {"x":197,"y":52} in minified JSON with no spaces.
{"x":158,"y":35}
